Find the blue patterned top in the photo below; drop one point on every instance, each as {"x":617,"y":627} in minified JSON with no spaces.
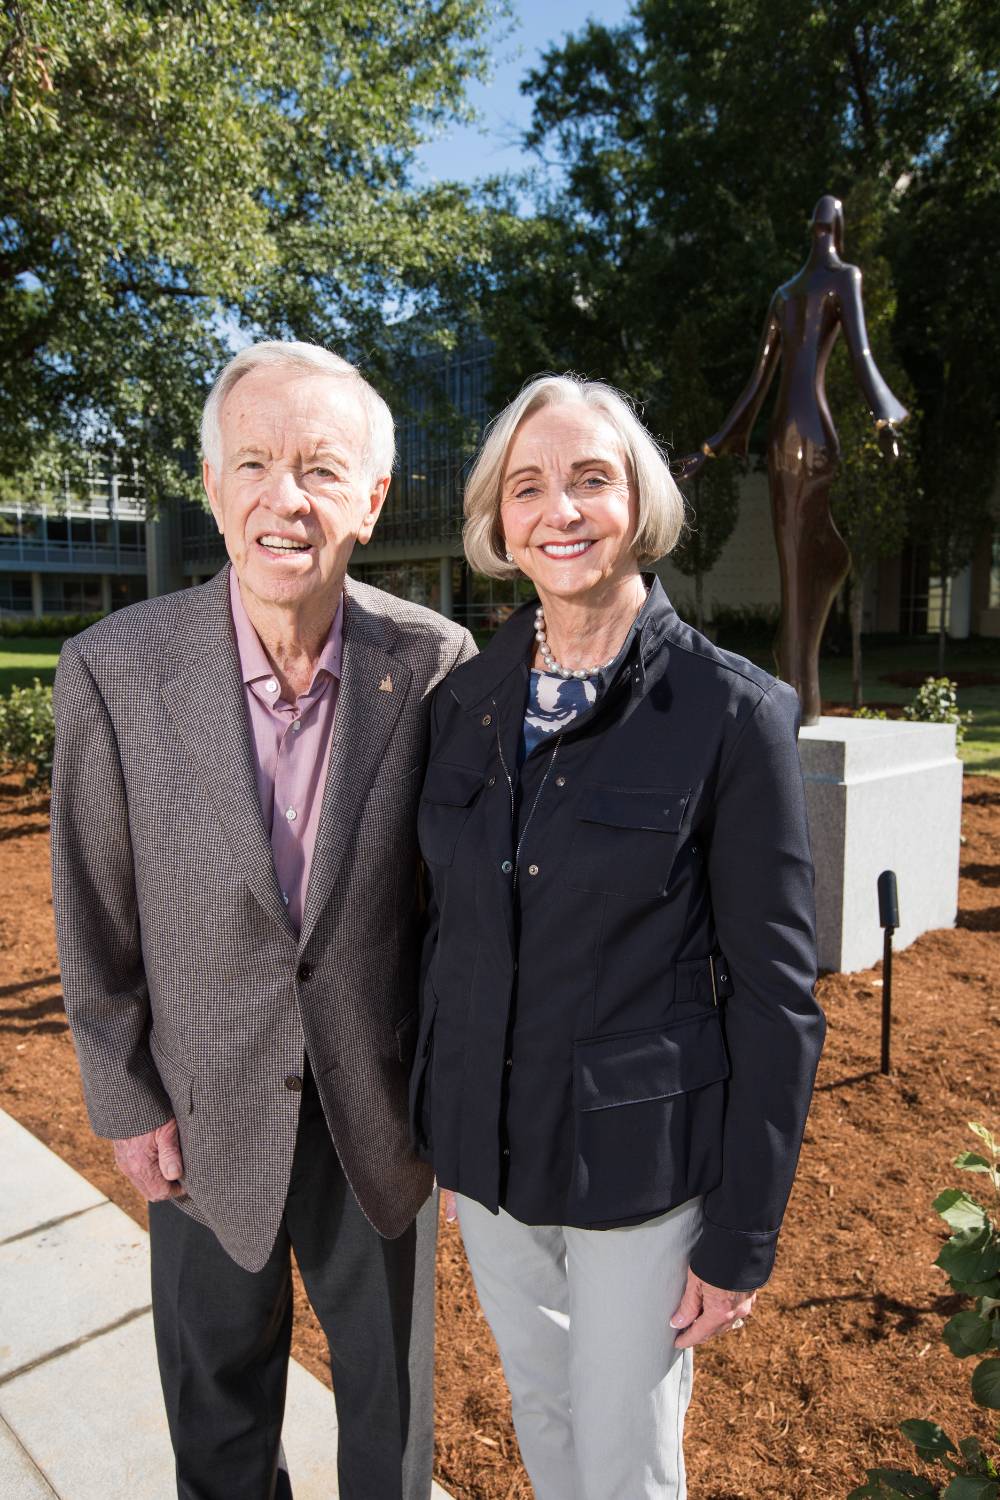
{"x":553,"y":703}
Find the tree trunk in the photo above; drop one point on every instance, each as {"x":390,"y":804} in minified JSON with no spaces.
{"x":857,"y":607}
{"x":699,"y":601}
{"x":943,"y":628}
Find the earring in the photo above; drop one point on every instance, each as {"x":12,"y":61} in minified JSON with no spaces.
{"x":509,"y":555}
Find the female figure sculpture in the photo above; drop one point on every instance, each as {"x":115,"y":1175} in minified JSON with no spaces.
{"x":803,"y":321}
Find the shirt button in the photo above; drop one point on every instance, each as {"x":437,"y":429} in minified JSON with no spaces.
{"x":487,"y":720}
{"x":560,"y":781}
{"x":284,"y":897}
{"x":294,"y":1083}
{"x":296,"y":725}
{"x":271,"y":685}
{"x":506,"y":867}
{"x":506,"y":1151}
{"x":291,"y":814}
{"x":532,"y":869}
{"x":509,"y":1063}
{"x":305,"y":971}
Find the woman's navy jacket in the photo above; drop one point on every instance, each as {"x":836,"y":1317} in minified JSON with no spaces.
{"x":626,"y":1018}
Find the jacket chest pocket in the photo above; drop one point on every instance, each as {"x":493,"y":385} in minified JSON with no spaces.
{"x":626,"y":839}
{"x":445,"y":804}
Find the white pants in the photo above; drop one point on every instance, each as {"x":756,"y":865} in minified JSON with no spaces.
{"x":581,"y":1317}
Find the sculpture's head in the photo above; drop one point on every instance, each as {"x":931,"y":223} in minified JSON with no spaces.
{"x":828,"y":215}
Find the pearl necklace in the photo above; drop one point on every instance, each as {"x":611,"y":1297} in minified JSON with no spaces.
{"x":581,"y":674}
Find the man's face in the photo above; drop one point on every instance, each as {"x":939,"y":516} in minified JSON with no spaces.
{"x":293,"y":494}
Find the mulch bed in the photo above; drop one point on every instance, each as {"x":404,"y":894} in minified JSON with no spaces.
{"x":846,"y":1341}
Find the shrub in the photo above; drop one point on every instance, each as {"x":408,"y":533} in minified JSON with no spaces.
{"x":937,"y":703}
{"x":744,"y":624}
{"x":27,"y":733}
{"x":971,"y":1261}
{"x":869,"y":713}
{"x":58,"y":626}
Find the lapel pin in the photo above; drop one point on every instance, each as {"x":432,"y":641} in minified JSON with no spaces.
{"x":385,"y":686}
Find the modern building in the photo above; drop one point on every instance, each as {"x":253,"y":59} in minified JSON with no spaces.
{"x":95,"y":549}
{"x":79,"y":550}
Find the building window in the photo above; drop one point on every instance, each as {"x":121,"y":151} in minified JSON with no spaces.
{"x":15,"y":593}
{"x":71,"y":594}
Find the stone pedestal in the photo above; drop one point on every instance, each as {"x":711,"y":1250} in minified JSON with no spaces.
{"x":881,"y":796}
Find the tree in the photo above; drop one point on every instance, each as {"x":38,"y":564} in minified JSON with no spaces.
{"x":173,"y":176}
{"x":870,"y":496}
{"x":715,"y":507}
{"x":684,"y":150}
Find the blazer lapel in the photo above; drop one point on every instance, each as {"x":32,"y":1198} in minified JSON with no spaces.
{"x":204,"y":694}
{"x":366,"y":715}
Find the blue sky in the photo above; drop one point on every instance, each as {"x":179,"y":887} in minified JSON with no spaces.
{"x":490,"y":147}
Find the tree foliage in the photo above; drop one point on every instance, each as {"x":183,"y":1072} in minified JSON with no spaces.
{"x":712,"y":497}
{"x":687,"y":147}
{"x":172,"y":175}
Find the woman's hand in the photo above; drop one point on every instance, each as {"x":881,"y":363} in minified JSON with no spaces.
{"x":705,"y":1310}
{"x":448,"y":1200}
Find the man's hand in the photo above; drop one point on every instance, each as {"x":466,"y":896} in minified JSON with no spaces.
{"x":152,"y":1162}
{"x":705,"y":1310}
{"x":450,"y":1211}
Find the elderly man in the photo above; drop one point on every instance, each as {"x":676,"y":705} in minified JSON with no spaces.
{"x":235,"y":881}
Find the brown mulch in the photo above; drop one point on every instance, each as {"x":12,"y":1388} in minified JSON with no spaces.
{"x":846,"y":1341}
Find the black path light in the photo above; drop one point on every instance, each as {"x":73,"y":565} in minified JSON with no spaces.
{"x":888,"y":915}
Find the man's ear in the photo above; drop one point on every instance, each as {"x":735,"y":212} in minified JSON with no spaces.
{"x":376,"y":500}
{"x":210,"y":482}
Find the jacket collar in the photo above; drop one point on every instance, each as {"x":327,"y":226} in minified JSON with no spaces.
{"x":510,"y":648}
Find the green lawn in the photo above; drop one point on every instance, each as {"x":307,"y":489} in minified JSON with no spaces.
{"x":21,"y":660}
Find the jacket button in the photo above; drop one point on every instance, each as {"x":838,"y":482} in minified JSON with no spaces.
{"x":509,"y":1063}
{"x":490,"y":780}
{"x":305,"y":972}
{"x":532,"y":869}
{"x":294,"y":1083}
{"x":506,"y":867}
{"x":506,"y":1151}
{"x":487,"y":720}
{"x":560,"y":781}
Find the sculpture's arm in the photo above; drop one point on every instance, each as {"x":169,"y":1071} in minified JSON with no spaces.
{"x":882,"y":404}
{"x":734,"y":434}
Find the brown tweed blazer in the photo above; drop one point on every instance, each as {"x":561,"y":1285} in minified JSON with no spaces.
{"x":187,"y":989}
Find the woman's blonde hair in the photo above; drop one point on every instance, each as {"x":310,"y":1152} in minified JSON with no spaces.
{"x":661,"y":508}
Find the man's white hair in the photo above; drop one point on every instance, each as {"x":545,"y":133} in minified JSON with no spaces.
{"x":380,"y":445}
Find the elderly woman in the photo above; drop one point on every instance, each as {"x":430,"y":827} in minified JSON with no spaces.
{"x":618,"y":1031}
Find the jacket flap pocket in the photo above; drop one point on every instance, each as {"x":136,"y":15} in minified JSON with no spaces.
{"x":650,"y":1064}
{"x":455,"y":786}
{"x":646,"y":807}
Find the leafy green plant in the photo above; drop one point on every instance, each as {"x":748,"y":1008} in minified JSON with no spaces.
{"x":745,"y":624}
{"x":869,"y":713}
{"x":27,"y":733}
{"x":971,"y":1261}
{"x":937,"y":703}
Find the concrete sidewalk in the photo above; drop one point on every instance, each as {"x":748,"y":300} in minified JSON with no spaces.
{"x":81,"y":1416}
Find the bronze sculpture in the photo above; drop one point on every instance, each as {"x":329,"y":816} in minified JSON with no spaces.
{"x":803,"y":321}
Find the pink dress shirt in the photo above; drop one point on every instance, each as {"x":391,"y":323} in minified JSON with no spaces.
{"x":291,"y":749}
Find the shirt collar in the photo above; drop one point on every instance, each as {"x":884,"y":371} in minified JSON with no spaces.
{"x":254,"y":663}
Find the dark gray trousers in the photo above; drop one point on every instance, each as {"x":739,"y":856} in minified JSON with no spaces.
{"x":223,"y":1337}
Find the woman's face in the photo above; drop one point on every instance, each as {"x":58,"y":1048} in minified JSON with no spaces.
{"x":568,"y":506}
